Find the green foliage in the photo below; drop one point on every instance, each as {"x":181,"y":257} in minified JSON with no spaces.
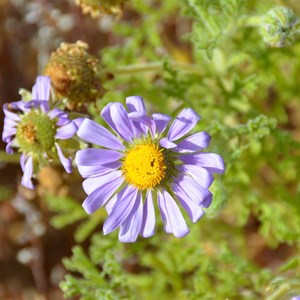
{"x":175,"y":86}
{"x":5,"y":193}
{"x":216,"y":18}
{"x":70,"y":211}
{"x":106,"y":281}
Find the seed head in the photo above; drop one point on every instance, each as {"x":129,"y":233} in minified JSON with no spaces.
{"x":96,"y":8}
{"x":74,"y":74}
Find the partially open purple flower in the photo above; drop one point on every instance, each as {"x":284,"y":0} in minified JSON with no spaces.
{"x":35,"y":130}
{"x":142,"y":164}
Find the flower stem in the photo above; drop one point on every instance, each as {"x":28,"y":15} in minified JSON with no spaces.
{"x":155,"y":66}
{"x":283,"y":290}
{"x":280,"y":292}
{"x":250,"y":21}
{"x":9,"y":158}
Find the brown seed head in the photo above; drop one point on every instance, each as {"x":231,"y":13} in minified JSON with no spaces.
{"x":97,"y":8}
{"x":74,"y":74}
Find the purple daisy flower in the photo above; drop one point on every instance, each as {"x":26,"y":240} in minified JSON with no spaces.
{"x":143,"y":164}
{"x":35,"y":130}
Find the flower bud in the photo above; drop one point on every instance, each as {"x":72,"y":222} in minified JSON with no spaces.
{"x":280,"y":27}
{"x":100,"y":7}
{"x":74,"y":74}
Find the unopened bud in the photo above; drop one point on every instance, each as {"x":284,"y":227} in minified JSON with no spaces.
{"x":74,"y":74}
{"x":280,"y":27}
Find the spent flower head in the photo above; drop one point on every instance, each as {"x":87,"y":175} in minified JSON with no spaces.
{"x":96,"y":8}
{"x":145,"y":162}
{"x":74,"y":74}
{"x":35,"y":130}
{"x":280,"y":27}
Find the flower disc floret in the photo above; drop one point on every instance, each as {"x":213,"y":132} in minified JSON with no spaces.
{"x":144,"y":166}
{"x":36,"y":132}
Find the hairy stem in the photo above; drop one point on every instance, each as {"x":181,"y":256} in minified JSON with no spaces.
{"x":9,"y":158}
{"x":155,"y":66}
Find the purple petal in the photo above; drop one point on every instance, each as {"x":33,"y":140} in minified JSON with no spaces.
{"x":148,"y":224}
{"x":23,"y":159}
{"x":193,"y":143}
{"x":167,"y":226}
{"x":95,"y":156}
{"x":64,"y":121}
{"x":78,"y":121}
{"x":201,"y":175}
{"x":67,"y":131}
{"x":8,"y":132}
{"x":93,"y":183}
{"x":9,"y":114}
{"x":130,"y":228}
{"x":101,"y":195}
{"x":10,"y":123}
{"x":66,"y":162}
{"x":136,"y":103}
{"x":186,"y":184}
{"x":172,"y":215}
{"x":19,"y":105}
{"x":207,"y":201}
{"x":116,"y":117}
{"x":141,"y":122}
{"x":183,"y":124}
{"x":43,"y":105}
{"x":111,"y":203}
{"x":57,"y":113}
{"x":98,"y":170}
{"x":27,"y":167}
{"x":93,"y":132}
{"x":138,"y":116}
{"x":165,"y":143}
{"x":41,"y":90}
{"x":161,"y":122}
{"x":212,"y":162}
{"x":121,"y":210}
{"x":194,"y":211}
{"x":8,"y":148}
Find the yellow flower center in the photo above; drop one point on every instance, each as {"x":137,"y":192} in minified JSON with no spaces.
{"x":144,"y":166}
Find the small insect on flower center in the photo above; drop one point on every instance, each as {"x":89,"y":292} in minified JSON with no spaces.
{"x":36,"y":132}
{"x":144,"y":166}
